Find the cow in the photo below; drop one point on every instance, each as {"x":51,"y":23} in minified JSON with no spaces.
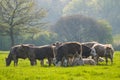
{"x":40,"y":53}
{"x":89,"y":61}
{"x":87,"y":51}
{"x":78,"y":61}
{"x":16,"y":53}
{"x":67,"y":50}
{"x":104,"y":50}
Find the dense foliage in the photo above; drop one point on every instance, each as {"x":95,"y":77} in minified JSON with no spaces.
{"x":99,"y":9}
{"x":82,"y":29}
{"x":17,"y":16}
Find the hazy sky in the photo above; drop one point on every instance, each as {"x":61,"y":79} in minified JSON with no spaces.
{"x":54,"y":8}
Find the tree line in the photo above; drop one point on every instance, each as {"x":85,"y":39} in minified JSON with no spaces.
{"x":21,"y":22}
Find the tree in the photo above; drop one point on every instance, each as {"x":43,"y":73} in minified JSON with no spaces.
{"x":109,"y":10}
{"x":99,"y":9}
{"x":81,"y":28}
{"x":18,"y":16}
{"x":84,"y":7}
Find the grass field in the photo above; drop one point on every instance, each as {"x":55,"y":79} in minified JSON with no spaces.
{"x":26,"y":72}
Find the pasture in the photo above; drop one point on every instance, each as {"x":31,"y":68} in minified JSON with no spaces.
{"x":26,"y":72}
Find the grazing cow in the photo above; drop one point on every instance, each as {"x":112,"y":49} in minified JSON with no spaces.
{"x":86,"y":51}
{"x":15,"y":53}
{"x":68,"y":50}
{"x":104,"y":50}
{"x":40,"y":53}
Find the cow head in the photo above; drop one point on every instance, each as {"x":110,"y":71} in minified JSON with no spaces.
{"x":109,"y":50}
{"x":57,"y":44}
{"x":93,"y":52}
{"x":8,"y":61}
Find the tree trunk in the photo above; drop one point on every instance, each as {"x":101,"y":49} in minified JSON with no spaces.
{"x":12,"y":36}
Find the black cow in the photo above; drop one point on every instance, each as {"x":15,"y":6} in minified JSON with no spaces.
{"x":67,"y":50}
{"x":15,"y":53}
{"x":40,"y":53}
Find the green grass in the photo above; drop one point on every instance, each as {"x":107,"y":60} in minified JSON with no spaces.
{"x":26,"y":72}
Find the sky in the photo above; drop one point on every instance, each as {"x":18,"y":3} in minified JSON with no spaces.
{"x":54,"y":8}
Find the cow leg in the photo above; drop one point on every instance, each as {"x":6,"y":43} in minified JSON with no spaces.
{"x":96,"y":59}
{"x":106,"y":59}
{"x":111,"y":58}
{"x":64,"y":61}
{"x":35,"y":62}
{"x":32,"y":61}
{"x":15,"y":62}
{"x":49,"y":61}
{"x":42,"y":62}
{"x":70,"y":61}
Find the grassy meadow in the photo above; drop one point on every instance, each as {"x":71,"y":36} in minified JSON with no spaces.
{"x":26,"y":72}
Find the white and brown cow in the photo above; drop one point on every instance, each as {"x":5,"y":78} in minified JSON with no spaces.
{"x":104,"y":50}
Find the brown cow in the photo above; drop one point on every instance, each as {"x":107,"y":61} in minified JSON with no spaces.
{"x":67,"y":50}
{"x":104,"y":50}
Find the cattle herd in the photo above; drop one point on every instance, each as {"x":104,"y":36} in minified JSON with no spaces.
{"x":62,"y":54}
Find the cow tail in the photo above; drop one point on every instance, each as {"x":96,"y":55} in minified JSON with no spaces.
{"x":54,"y":52}
{"x":80,"y":51}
